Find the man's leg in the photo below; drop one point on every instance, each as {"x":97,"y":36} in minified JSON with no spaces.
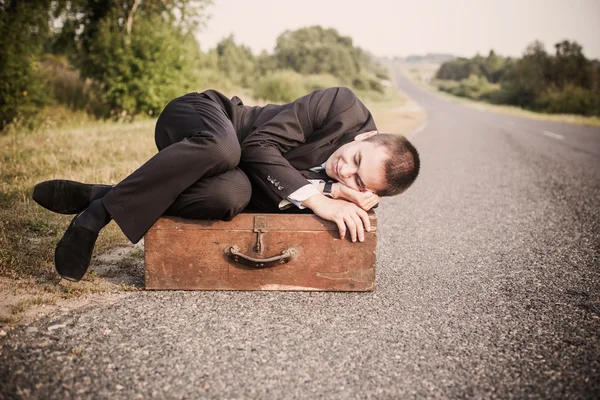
{"x":209,"y":147}
{"x":198,"y":145}
{"x":218,"y":197}
{"x":139,"y":200}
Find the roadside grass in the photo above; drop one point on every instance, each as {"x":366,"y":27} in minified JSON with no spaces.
{"x":94,"y":152}
{"x":394,"y":112}
{"x":103,"y":152}
{"x":423,"y":77}
{"x":400,"y":116}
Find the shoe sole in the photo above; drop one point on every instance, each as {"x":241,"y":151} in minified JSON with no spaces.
{"x":69,"y":258}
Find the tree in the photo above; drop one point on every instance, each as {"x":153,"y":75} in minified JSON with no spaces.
{"x":493,"y":67}
{"x":140,"y":53}
{"x":23,"y":28}
{"x":460,"y":68}
{"x":524,"y":82}
{"x":316,"y":50}
{"x":140,"y":72}
{"x":565,"y":82}
{"x":264,"y":64}
{"x":236,"y":61}
{"x":570,"y":65}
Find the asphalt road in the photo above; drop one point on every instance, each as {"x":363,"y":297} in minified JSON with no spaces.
{"x":487,"y":287}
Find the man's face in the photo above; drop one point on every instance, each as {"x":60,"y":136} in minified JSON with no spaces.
{"x":359,"y":164}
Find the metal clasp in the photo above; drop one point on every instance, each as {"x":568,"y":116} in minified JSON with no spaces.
{"x":260,"y":227}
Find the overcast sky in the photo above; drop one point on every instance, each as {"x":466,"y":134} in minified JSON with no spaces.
{"x":398,"y":27}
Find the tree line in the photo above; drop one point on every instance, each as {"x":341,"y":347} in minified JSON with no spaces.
{"x":563,"y":82}
{"x":124,"y":58}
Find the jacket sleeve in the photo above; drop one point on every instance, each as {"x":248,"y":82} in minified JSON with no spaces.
{"x":263,"y":149}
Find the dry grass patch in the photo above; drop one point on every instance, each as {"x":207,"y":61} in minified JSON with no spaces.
{"x":397,"y":113}
{"x":394,"y":118}
{"x":99,"y":152}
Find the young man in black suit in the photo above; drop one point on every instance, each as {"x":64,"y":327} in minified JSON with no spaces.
{"x":218,"y":157}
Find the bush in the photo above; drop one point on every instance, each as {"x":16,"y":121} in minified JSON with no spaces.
{"x":319,"y":81}
{"x":213,"y":79}
{"x":376,"y":85}
{"x":141,"y":73}
{"x":68,"y":88}
{"x":367,"y":82}
{"x":281,"y":86}
{"x":317,"y":51}
{"x":22,"y":93}
{"x":570,"y":100}
{"x":566,"y":82}
{"x":22,"y":90}
{"x":474,"y":87}
{"x":236,"y":62}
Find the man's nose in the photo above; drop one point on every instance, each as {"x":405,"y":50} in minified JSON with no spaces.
{"x":347,"y":171}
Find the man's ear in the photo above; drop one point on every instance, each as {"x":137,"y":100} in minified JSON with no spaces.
{"x":365,"y":135}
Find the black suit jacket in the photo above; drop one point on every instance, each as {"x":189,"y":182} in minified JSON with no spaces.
{"x":279,"y":141}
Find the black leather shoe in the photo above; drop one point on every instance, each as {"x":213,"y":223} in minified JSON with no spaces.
{"x":67,"y":197}
{"x":74,"y":252}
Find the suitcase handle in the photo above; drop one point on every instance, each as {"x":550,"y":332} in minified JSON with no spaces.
{"x":236,"y":255}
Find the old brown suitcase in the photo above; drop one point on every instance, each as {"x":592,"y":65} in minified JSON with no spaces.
{"x":258,"y":252}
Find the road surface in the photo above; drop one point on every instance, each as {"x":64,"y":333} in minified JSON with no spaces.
{"x":487,"y":287}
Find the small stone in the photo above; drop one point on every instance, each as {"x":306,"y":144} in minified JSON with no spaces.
{"x":55,"y":327}
{"x":119,"y":387}
{"x":31,"y":329}
{"x":2,"y":332}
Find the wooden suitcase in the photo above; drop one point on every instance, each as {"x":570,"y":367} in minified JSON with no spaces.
{"x":258,"y":252}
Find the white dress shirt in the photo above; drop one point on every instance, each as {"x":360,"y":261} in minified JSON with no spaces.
{"x":296,"y":198}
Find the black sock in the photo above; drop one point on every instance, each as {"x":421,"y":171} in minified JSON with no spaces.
{"x":95,"y":217}
{"x":99,"y":191}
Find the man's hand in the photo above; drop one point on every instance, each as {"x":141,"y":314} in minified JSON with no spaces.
{"x":343,"y":213}
{"x":365,"y":200}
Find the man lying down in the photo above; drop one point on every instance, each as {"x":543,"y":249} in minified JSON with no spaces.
{"x":218,"y":157}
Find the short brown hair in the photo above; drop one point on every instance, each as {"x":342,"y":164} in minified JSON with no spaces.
{"x":402,"y":165}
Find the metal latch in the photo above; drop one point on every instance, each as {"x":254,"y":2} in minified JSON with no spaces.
{"x":260,"y":227}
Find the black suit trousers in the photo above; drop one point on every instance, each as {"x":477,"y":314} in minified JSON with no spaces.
{"x":195,"y":174}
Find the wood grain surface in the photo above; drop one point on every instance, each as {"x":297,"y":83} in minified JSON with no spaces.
{"x":191,"y":254}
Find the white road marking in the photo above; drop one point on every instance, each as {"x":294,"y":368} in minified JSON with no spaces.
{"x":553,"y":135}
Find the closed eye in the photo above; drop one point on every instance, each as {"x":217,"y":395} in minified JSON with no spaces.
{"x":359,"y":182}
